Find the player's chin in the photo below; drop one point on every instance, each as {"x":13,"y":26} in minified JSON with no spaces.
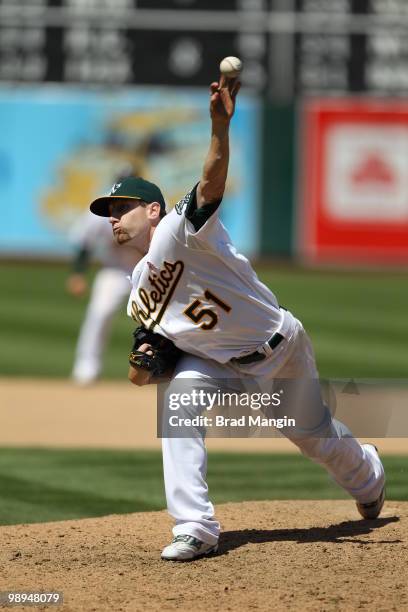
{"x":121,"y":237}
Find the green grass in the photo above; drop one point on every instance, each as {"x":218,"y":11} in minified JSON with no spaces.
{"x":357,"y":321}
{"x":39,"y":324}
{"x":45,"y":485}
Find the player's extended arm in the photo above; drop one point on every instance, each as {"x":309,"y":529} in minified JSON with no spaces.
{"x":77,"y":284}
{"x":222,"y":105}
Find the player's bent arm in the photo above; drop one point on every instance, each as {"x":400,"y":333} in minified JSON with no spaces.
{"x":139,"y":376}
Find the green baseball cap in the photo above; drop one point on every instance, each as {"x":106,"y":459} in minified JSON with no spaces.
{"x":131,"y":188}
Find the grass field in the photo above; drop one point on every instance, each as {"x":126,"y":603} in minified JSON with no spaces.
{"x":45,"y":485}
{"x":357,"y":321}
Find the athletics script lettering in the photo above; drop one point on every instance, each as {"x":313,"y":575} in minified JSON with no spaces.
{"x":163,"y":283}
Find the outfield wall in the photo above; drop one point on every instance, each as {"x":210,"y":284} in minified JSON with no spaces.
{"x":64,"y":146}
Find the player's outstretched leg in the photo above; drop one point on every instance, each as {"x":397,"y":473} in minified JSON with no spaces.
{"x":356,"y":467}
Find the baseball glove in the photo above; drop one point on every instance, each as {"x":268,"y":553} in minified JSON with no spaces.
{"x":162,"y":356}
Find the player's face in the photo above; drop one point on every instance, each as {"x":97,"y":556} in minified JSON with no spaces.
{"x":130,"y":221}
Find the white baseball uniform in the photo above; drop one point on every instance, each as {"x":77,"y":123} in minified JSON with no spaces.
{"x":109,"y":290}
{"x":195,"y":289}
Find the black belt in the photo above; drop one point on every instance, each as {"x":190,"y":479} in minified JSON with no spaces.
{"x":257,"y":356}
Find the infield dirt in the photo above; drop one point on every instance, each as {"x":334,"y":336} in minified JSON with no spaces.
{"x":279,"y":555}
{"x":55,"y":413}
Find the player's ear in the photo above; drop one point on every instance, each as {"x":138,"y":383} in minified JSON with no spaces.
{"x":153,"y":211}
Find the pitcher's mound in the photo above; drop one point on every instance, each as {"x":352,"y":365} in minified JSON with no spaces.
{"x":309,"y":555}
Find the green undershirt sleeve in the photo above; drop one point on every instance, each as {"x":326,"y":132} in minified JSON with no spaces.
{"x":81,"y":260}
{"x":198,"y":216}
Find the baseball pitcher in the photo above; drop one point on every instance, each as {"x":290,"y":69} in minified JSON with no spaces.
{"x":198,"y":301}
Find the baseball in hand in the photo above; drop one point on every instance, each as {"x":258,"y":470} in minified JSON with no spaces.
{"x":231,"y":67}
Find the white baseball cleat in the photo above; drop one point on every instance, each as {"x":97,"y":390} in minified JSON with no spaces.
{"x":371,"y":510}
{"x":186,"y":547}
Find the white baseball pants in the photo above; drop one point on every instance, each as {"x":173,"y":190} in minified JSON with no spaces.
{"x":109,"y":290}
{"x":357,"y":470}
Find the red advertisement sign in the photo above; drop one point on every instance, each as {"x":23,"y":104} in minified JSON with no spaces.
{"x":354,"y":181}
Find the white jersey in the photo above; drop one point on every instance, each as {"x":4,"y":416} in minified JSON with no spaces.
{"x":95,"y":233}
{"x":194,"y":288}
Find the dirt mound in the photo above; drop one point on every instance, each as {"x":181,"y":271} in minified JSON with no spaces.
{"x":311,"y":555}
